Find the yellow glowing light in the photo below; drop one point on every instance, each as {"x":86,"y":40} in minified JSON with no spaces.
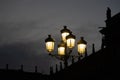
{"x":70,"y":43}
{"x":50,"y":46}
{"x":65,"y":32}
{"x":64,"y":36}
{"x":61,"y":51}
{"x":81,"y":48}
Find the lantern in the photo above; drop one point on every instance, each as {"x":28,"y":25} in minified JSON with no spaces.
{"x":70,"y":40}
{"x":61,"y":49}
{"x":81,"y":45}
{"x":65,"y":32}
{"x":49,"y":44}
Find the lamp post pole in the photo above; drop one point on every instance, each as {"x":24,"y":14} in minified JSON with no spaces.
{"x":65,"y":56}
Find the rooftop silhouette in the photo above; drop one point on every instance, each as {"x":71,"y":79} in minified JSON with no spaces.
{"x":103,"y":64}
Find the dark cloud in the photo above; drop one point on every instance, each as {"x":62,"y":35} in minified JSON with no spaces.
{"x":25,"y":24}
{"x":29,"y":54}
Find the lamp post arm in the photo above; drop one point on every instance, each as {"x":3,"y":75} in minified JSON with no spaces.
{"x":75,"y":56}
{"x":70,"y":51}
{"x":58,"y":56}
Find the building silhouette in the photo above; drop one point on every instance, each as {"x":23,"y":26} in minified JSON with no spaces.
{"x":100,"y":65}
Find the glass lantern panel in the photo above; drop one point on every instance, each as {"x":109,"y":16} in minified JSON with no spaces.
{"x":81,"y":48}
{"x":61,"y":50}
{"x":64,"y":36}
{"x":50,"y":46}
{"x":70,"y":43}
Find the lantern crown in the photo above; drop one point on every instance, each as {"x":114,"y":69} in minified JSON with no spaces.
{"x":61,"y":48}
{"x":65,"y":30}
{"x":62,"y":44}
{"x":70,"y":36}
{"x":82,"y":41}
{"x":49,"y":39}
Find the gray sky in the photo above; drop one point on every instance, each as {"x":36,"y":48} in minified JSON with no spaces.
{"x":25,"y":24}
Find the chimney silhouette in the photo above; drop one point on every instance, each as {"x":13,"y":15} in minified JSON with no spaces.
{"x":108,"y":13}
{"x":93,"y":48}
{"x":6,"y":66}
{"x":21,"y":67}
{"x":51,"y":70}
{"x":35,"y":69}
{"x":86,"y":52}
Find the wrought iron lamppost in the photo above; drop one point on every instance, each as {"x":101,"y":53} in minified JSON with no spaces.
{"x":66,"y":45}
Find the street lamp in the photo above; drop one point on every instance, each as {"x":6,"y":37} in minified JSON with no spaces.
{"x":65,"y":32}
{"x":70,"y":40}
{"x":81,"y":46}
{"x":66,"y":45}
{"x":49,"y":44}
{"x":61,"y":49}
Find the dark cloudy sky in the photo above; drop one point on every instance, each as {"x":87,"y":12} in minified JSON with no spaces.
{"x":25,"y":24}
